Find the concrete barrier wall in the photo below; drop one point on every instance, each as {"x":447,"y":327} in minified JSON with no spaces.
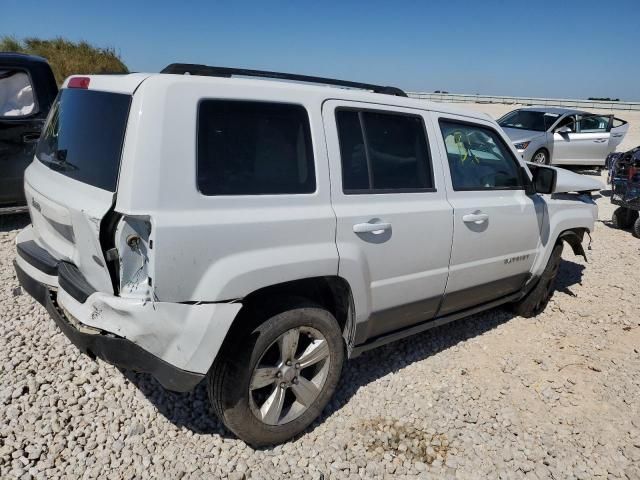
{"x":557,"y":102}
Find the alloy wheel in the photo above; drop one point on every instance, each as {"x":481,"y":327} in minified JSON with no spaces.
{"x":289,"y":376}
{"x":540,"y":158}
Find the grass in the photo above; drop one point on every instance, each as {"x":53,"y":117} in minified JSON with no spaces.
{"x":67,"y":57}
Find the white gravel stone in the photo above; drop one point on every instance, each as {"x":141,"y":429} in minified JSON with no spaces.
{"x":493,"y":396}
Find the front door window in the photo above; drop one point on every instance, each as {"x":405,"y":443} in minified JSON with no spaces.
{"x":478,"y":158}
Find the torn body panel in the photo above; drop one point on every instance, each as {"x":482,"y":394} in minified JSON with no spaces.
{"x":65,"y":216}
{"x":574,"y":239}
{"x":565,"y":214}
{"x":133,"y":243}
{"x":167,"y":330}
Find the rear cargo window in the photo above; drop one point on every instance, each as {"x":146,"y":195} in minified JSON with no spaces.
{"x":254,"y":148}
{"x":84,"y":135}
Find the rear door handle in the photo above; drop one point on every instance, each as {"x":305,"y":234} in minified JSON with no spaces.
{"x":600,"y":140}
{"x":30,"y":137}
{"x":476,"y":218}
{"x":375,"y":228}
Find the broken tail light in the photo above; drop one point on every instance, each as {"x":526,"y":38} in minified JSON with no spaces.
{"x":134,"y":244}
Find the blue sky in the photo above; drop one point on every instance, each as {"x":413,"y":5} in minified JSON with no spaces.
{"x":574,"y":49}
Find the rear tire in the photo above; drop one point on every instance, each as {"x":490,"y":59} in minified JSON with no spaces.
{"x":267,"y":396}
{"x":536,"y":300}
{"x":636,"y":227}
{"x":623,"y":217}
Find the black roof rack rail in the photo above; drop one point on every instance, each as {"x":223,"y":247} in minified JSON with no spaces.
{"x":206,"y":70}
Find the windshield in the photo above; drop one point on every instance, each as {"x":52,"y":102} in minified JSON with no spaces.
{"x":528,"y":120}
{"x":83,"y":136}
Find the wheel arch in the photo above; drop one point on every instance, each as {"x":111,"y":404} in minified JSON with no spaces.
{"x":573,"y":237}
{"x":331,"y":292}
{"x":566,"y":218}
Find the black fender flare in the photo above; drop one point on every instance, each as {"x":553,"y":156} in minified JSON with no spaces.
{"x":574,"y":239}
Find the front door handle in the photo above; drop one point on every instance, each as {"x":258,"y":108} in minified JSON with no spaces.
{"x":600,"y":140}
{"x":376,"y":228}
{"x":476,"y":218}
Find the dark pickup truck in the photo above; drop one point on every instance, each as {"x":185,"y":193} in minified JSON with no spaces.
{"x":27,"y":90}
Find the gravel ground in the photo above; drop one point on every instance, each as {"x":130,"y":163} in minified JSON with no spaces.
{"x":492,"y":396}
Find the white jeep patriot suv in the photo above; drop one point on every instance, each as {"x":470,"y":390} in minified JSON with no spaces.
{"x":254,"y":233}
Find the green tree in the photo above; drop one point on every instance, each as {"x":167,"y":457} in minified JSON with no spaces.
{"x":67,"y":57}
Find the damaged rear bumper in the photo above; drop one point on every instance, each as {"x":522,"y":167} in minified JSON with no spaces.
{"x":108,"y":347}
{"x":175,"y":342}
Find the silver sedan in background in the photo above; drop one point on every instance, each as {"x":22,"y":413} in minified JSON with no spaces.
{"x":561,"y":136}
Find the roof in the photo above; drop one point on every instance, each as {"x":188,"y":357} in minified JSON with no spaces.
{"x":128,"y":83}
{"x":227,"y":72}
{"x":547,"y":109}
{"x":20,"y":58}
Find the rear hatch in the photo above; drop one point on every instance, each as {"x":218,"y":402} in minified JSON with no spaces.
{"x":72,"y":182}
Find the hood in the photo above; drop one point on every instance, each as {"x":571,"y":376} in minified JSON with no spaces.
{"x":569,"y":182}
{"x":518,"y":135}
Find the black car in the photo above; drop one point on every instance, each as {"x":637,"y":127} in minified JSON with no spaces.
{"x":27,"y":90}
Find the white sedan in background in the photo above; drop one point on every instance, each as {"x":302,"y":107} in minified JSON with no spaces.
{"x":562,"y":136}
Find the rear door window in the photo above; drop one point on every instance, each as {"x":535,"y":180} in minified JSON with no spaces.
{"x":618,"y":122}
{"x":254,"y":148}
{"x":383,"y":152}
{"x":17,"y":98}
{"x":594,"y":123}
{"x":84,"y":134}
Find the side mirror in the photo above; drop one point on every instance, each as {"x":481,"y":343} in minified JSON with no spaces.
{"x":544,"y":179}
{"x":565,"y":129}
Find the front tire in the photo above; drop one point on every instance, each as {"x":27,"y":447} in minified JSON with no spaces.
{"x":536,"y":300}
{"x":541,"y":157}
{"x":623,"y":217}
{"x":636,"y":227}
{"x":276,"y":379}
